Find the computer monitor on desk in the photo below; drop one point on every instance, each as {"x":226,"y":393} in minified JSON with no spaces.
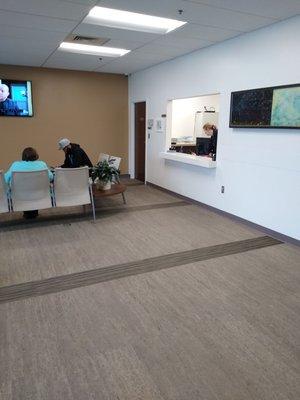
{"x":202,"y":146}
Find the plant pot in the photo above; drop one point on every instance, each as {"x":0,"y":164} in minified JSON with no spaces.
{"x":101,"y":185}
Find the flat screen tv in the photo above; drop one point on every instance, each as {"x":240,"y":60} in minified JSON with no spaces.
{"x":15,"y":98}
{"x":272,"y":107}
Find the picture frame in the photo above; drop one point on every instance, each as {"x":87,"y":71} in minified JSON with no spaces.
{"x":276,"y":107}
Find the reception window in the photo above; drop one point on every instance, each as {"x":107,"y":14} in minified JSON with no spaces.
{"x":193,"y":125}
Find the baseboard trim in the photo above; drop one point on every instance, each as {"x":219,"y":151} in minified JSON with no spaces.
{"x":270,"y":232}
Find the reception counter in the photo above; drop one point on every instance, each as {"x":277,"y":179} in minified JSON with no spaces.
{"x":200,"y":161}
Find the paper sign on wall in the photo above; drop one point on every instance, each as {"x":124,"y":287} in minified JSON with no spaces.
{"x":150,"y":123}
{"x":160,"y":125}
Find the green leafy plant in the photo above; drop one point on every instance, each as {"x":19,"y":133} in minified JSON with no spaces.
{"x":105,"y":172}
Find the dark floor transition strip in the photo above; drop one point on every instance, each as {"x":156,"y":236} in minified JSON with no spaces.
{"x":91,"y":277}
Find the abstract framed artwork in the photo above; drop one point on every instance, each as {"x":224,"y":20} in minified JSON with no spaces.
{"x":272,"y":107}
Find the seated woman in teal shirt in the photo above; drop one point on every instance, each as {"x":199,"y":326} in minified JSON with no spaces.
{"x":30,"y":162}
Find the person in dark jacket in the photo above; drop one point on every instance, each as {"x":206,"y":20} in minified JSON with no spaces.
{"x":8,"y":107}
{"x":212,"y":131}
{"x":75,"y":156}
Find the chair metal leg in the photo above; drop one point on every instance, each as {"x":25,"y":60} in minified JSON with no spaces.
{"x":93,"y":204}
{"x":9,"y":201}
{"x":52,"y":196}
{"x":8,"y":204}
{"x":93,"y":207}
{"x":124,"y":200}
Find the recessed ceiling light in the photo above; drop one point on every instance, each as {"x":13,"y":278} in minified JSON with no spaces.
{"x":96,"y":50}
{"x":130,"y":20}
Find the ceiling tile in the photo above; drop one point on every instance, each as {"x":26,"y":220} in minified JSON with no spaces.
{"x":124,"y":44}
{"x":144,"y":55}
{"x":266,"y":8}
{"x":155,"y":48}
{"x":89,"y":3}
{"x":205,"y":32}
{"x":112,"y":69}
{"x":31,"y":34}
{"x":184,"y":42}
{"x":60,"y":59}
{"x":36,"y":22}
{"x":126,"y":66}
{"x":23,"y":56}
{"x":112,"y":33}
{"x":137,"y":59}
{"x":53,"y":8}
{"x":20,"y":44}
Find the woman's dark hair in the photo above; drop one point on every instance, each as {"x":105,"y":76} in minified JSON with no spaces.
{"x":30,"y":154}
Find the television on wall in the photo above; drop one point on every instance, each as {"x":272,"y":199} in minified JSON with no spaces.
{"x":15,"y":98}
{"x":272,"y":107}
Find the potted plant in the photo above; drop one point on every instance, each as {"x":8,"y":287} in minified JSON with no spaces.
{"x":103,"y":173}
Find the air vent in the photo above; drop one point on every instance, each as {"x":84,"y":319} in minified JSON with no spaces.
{"x":86,"y":40}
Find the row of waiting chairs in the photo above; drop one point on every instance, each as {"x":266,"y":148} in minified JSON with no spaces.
{"x":32,"y":191}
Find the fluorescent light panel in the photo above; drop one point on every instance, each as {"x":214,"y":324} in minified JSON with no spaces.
{"x":129,"y":20}
{"x":94,"y":50}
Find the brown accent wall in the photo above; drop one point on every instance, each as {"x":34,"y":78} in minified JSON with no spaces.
{"x":88,"y":108}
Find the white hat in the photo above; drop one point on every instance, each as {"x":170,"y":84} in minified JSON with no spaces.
{"x":63,"y":143}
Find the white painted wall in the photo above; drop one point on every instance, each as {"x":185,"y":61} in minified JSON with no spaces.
{"x":260,"y":168}
{"x":183,"y":113}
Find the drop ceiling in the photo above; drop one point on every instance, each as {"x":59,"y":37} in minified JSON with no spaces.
{"x":32,"y":30}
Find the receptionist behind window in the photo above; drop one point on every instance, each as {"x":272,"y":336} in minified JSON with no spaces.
{"x":211,"y":131}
